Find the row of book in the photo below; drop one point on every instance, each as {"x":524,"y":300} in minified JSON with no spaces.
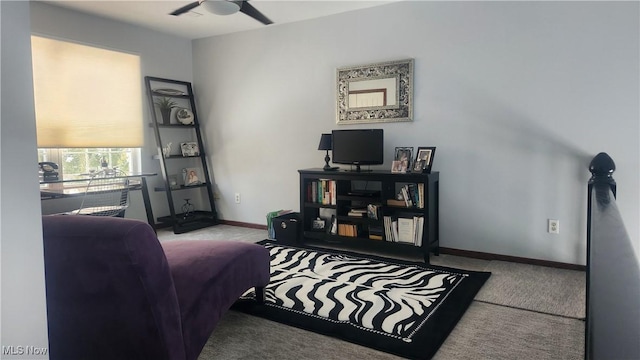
{"x":372,"y":211}
{"x":350,"y":230}
{"x":410,"y":195}
{"x":322,"y":191}
{"x":406,"y":230}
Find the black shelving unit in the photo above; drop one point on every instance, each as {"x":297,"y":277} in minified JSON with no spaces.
{"x":182,"y":219}
{"x":350,"y":189}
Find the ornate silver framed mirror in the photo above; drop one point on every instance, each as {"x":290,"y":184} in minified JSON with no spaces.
{"x":380,"y":92}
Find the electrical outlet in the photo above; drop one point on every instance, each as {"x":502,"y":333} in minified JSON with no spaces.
{"x":237,"y":198}
{"x":554,"y":226}
{"x":216,"y":195}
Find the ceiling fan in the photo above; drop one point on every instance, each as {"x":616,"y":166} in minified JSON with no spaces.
{"x":225,"y":7}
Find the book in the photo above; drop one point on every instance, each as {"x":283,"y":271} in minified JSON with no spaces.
{"x":394,"y":202}
{"x":406,"y":196}
{"x":406,"y":230}
{"x":357,"y":212}
{"x":419,"y":226}
{"x":387,"y":228}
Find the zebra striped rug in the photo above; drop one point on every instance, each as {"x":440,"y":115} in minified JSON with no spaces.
{"x":403,"y":308}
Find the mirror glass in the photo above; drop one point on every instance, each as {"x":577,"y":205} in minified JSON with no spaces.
{"x":378,"y":92}
{"x":372,"y":93}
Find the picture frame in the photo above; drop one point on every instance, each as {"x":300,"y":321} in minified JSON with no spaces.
{"x":399,"y":166}
{"x":189,"y":149}
{"x":318,"y":225}
{"x":191,"y":177}
{"x":424,"y":159}
{"x":404,"y":154}
{"x":375,"y":93}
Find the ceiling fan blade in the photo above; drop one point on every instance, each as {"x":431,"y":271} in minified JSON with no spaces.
{"x":185,"y":8}
{"x":254,"y":13}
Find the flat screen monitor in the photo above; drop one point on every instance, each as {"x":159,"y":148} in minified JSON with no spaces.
{"x":358,"y":147}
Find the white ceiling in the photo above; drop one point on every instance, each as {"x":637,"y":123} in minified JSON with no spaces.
{"x":199,"y":23}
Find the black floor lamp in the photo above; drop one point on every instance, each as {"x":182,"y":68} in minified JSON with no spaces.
{"x":325,"y":144}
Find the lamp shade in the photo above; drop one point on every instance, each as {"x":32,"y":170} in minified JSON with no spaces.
{"x":325,"y":142}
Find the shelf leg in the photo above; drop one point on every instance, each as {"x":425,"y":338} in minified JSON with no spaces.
{"x":147,"y":203}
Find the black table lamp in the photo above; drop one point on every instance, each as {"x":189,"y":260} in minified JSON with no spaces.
{"x":325,"y":144}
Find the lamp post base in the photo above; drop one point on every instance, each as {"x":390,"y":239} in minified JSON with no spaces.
{"x":330,"y":168}
{"x":326,"y":163}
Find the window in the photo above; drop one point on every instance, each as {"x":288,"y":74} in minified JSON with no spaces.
{"x":88,"y":105}
{"x":74,"y":162}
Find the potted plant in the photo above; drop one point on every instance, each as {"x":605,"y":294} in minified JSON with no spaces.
{"x":165,"y":105}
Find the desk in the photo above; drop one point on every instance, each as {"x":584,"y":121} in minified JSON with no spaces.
{"x":77,"y":187}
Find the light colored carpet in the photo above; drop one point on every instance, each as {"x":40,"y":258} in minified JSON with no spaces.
{"x":537,"y":288}
{"x":523,"y":312}
{"x":218,"y":232}
{"x":488,"y":331}
{"x":241,"y":336}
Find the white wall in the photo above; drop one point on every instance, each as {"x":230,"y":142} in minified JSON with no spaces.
{"x":23,"y":307}
{"x":162,"y":55}
{"x":516,"y":96}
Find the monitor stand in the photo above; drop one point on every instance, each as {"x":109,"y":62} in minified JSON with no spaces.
{"x":360,"y":170}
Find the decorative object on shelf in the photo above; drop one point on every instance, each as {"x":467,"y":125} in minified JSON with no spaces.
{"x":326,"y":144}
{"x":169,"y":92}
{"x":173,"y":182}
{"x":187,"y":209}
{"x":184,"y":116}
{"x":191,"y":177}
{"x":333,"y":230}
{"x":166,"y":151}
{"x":190,"y":149}
{"x":404,"y":155}
{"x":372,"y":211}
{"x":398,"y":167}
{"x":318,"y":224}
{"x":424,"y":159}
{"x":380,"y":92}
{"x":165,"y":105}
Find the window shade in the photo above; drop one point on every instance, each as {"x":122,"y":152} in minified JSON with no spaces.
{"x":86,"y":96}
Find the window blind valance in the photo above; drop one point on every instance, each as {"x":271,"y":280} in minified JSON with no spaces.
{"x":86,"y":96}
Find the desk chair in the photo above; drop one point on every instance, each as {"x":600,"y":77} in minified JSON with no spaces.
{"x":106,"y":194}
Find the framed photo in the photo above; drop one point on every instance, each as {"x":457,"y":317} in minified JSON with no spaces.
{"x":318,"y":224}
{"x":399,"y":166}
{"x":404,"y":154}
{"x":190,"y":149}
{"x":191,"y":177}
{"x":424,"y":159}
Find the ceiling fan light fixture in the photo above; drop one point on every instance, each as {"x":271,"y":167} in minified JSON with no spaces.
{"x":221,"y":7}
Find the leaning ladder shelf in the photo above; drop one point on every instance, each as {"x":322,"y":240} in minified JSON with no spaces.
{"x":182,"y":219}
